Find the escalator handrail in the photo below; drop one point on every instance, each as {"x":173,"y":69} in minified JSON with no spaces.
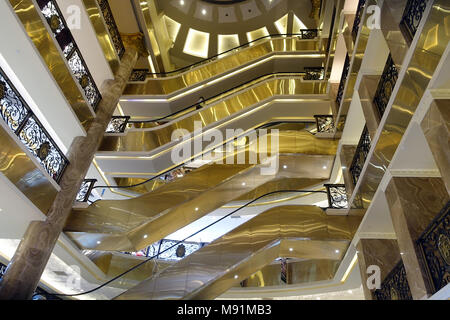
{"x":197,"y":104}
{"x":181,"y":241}
{"x":275,"y":35}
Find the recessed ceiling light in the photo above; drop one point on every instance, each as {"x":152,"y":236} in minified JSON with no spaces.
{"x":285,"y":167}
{"x":196,"y":209}
{"x":337,"y":251}
{"x":291,"y":249}
{"x":324,"y":167}
{"x":203,"y":11}
{"x":236,"y":276}
{"x":182,"y":2}
{"x":145,"y":236}
{"x":243,"y":183}
{"x":98,"y":242}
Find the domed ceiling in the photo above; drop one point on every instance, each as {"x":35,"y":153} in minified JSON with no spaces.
{"x":202,"y":28}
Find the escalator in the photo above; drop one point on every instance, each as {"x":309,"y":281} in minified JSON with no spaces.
{"x":277,"y":53}
{"x":303,"y":232}
{"x":130,"y":225}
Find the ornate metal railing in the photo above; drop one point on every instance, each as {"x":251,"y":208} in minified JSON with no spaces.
{"x":22,"y":121}
{"x":178,"y":252}
{"x":85,"y":190}
{"x":325,"y":123}
{"x":309,"y":33}
{"x":314,"y":73}
{"x":117,"y":124}
{"x":63,"y":36}
{"x":284,"y":271}
{"x":395,"y":286}
{"x":385,"y":86}
{"x":138,"y":75}
{"x":112,"y":27}
{"x":362,"y":150}
{"x":337,"y":196}
{"x":357,"y":20}
{"x":434,"y":244}
{"x":344,"y":76}
{"x":411,"y":18}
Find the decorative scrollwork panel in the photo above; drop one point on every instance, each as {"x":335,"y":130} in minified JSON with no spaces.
{"x":337,"y":196}
{"x":118,"y":124}
{"x":357,"y":20}
{"x":411,"y":18}
{"x":395,"y":286}
{"x":344,"y":76}
{"x":385,"y":86}
{"x":112,"y":27}
{"x":314,"y":73}
{"x":362,"y":151}
{"x":325,"y":123}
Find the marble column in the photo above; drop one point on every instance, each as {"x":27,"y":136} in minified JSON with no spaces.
{"x":413,"y":204}
{"x":436,"y":128}
{"x":31,"y":257}
{"x":383,"y":253}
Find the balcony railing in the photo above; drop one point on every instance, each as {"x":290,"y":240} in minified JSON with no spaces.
{"x":357,"y":21}
{"x":178,"y":252}
{"x":385,"y":86}
{"x":85,"y":190}
{"x":309,"y":33}
{"x":325,"y":123}
{"x":344,"y":76}
{"x":112,"y":27}
{"x":337,"y":196}
{"x":138,"y":75}
{"x":314,"y":73}
{"x":63,"y":36}
{"x":117,"y":124}
{"x":362,"y":150}
{"x":434,"y":244}
{"x":395,"y":286}
{"x":411,"y":18}
{"x":21,"y":120}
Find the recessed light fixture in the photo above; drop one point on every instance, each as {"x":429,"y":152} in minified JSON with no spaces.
{"x":291,"y":249}
{"x":203,"y":11}
{"x":236,"y":276}
{"x":285,"y":167}
{"x":98,"y":242}
{"x":196,"y":209}
{"x":182,"y":2}
{"x":324,"y":167}
{"x":243,"y":183}
{"x":145,"y":236}
{"x":401,"y":253}
{"x":337,"y":251}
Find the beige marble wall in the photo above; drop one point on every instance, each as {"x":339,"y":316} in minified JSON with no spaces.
{"x":414,"y":203}
{"x":436,"y":128}
{"x":367,"y":90}
{"x":380,"y":252}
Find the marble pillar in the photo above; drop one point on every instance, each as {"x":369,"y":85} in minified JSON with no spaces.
{"x":383,"y":253}
{"x":29,"y":261}
{"x":436,"y":128}
{"x":413,"y":204}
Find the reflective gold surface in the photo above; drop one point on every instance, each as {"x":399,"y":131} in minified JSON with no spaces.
{"x":17,"y":166}
{"x":262,"y":48}
{"x":103,"y":36}
{"x":149,"y":139}
{"x":131,"y":225}
{"x":289,"y":231}
{"x":430,"y":47}
{"x":35,"y":28}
